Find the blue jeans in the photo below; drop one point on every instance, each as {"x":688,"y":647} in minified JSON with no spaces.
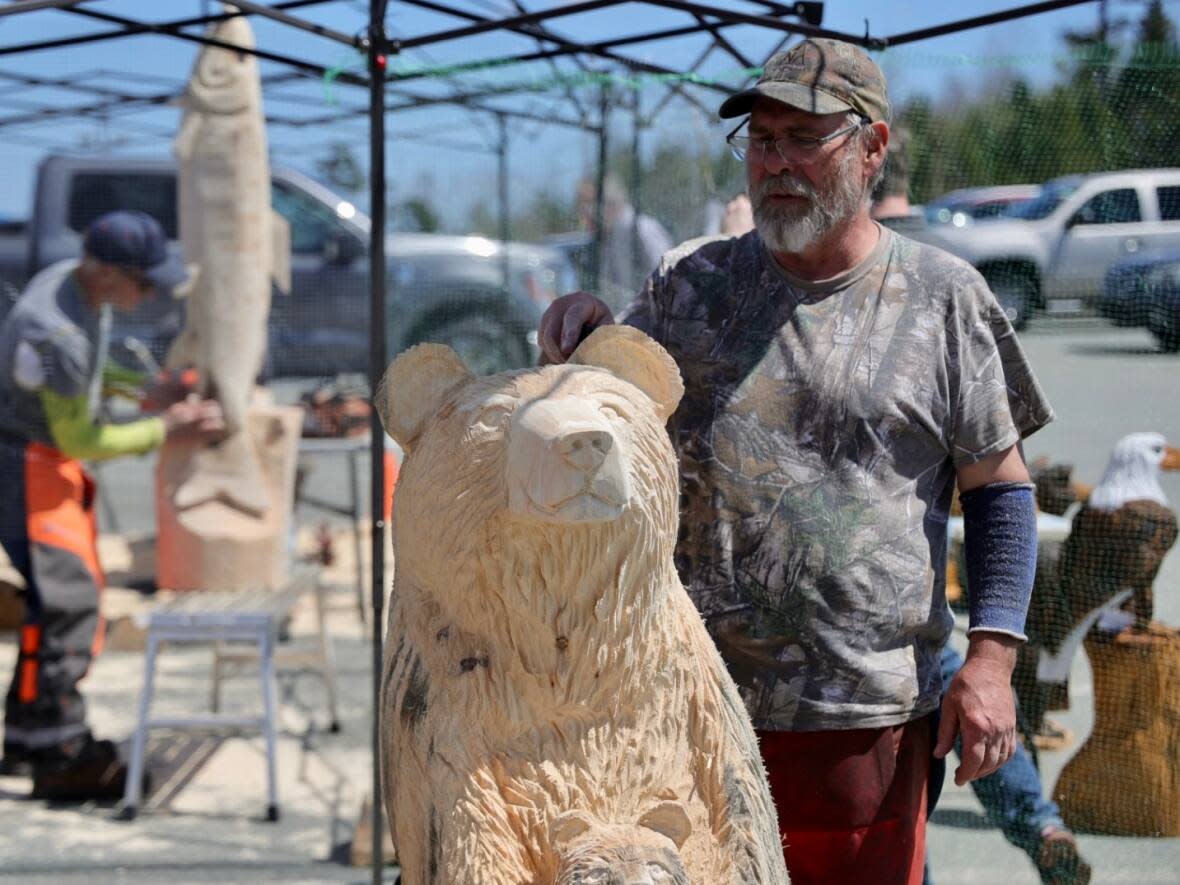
{"x":1012,"y":797}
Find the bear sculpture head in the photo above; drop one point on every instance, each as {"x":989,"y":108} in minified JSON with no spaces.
{"x":532,"y":475}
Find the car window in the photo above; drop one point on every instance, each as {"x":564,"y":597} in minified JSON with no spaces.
{"x":991,"y":210}
{"x":311,"y":221}
{"x":1052,"y":195}
{"x":1169,"y":199}
{"x":95,"y":193}
{"x":1110,"y":207}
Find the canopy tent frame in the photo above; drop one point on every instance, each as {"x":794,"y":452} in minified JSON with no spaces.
{"x":377,"y":47}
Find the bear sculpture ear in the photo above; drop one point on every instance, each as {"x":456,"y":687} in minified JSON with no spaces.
{"x":568,"y":826}
{"x":414,"y":388}
{"x":635,"y":358}
{"x":669,"y":819}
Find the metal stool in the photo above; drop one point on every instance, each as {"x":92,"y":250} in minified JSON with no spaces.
{"x":251,"y":616}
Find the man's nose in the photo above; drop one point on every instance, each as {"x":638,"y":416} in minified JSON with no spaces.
{"x":773,"y":162}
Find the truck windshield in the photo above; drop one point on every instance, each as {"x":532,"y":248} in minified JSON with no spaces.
{"x":1051,"y":196}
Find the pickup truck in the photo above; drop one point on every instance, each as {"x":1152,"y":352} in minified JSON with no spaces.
{"x":1054,"y":251}
{"x":449,"y":289}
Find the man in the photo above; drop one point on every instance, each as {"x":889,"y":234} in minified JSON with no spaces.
{"x":53,"y":348}
{"x":623,"y":268}
{"x":839,"y":381}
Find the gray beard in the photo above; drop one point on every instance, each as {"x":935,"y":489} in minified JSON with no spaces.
{"x":792,"y":230}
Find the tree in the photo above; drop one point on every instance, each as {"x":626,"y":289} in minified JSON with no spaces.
{"x":1148,"y":89}
{"x":421,"y":214}
{"x":1115,"y":108}
{"x":1155,"y":27}
{"x":341,"y":168}
{"x":545,"y":213}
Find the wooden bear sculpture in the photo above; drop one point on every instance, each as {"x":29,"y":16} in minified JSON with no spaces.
{"x":552,"y":708}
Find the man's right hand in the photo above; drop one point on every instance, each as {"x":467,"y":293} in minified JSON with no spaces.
{"x":168,"y":387}
{"x":566,"y":322}
{"x":194,"y":420}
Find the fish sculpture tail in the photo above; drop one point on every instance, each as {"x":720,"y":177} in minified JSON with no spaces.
{"x":228,"y":471}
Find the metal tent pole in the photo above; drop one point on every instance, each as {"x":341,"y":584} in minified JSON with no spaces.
{"x":505,"y":218}
{"x":639,"y":268}
{"x":598,"y":253}
{"x":377,"y":47}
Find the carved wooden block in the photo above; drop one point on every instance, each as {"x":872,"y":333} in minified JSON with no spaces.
{"x":214,"y":545}
{"x":1125,"y":780}
{"x":553,"y":709}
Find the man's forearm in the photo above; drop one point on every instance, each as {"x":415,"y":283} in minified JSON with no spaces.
{"x":1000,"y":539}
{"x":77,"y":436}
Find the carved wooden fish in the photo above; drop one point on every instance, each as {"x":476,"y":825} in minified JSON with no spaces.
{"x":236,"y":245}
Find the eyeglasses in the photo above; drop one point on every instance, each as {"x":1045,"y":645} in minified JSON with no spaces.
{"x":793,"y":145}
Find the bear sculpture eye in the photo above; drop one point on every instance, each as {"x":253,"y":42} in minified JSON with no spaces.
{"x":493,"y":416}
{"x":613,"y":410}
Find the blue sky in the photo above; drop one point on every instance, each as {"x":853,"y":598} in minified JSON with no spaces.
{"x":444,"y":152}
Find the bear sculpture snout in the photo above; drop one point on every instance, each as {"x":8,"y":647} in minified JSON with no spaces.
{"x":565,"y":463}
{"x":585,"y":449}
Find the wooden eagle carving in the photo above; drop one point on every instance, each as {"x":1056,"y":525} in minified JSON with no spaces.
{"x":1115,"y":548}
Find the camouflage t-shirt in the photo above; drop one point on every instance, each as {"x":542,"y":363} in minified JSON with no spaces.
{"x":818,"y":439}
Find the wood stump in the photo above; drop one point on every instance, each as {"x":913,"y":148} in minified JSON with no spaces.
{"x":1125,"y":780}
{"x":215,"y":546}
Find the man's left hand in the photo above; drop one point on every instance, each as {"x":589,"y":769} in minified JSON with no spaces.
{"x":980,"y":707}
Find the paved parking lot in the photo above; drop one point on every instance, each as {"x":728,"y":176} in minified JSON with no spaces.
{"x":1103,"y":382}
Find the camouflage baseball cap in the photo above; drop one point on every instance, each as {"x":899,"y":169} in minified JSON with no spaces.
{"x":819,"y":76}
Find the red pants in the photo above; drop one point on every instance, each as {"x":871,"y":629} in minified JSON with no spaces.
{"x":851,"y":804}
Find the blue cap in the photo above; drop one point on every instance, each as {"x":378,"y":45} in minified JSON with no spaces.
{"x":135,"y":240}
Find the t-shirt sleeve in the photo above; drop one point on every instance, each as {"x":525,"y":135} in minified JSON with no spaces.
{"x":996,"y":399}
{"x":54,"y":358}
{"x":643,"y":312}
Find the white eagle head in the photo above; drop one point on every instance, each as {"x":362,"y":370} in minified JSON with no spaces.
{"x":1133,"y":471}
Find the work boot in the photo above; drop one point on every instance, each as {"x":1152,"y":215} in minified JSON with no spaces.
{"x":17,"y":760}
{"x":1059,"y":861}
{"x":94,"y":771}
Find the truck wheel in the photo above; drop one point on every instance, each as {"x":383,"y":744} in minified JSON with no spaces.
{"x":1164,"y":323}
{"x":1168,"y":340}
{"x":1016,"y":294}
{"x":485,"y":344}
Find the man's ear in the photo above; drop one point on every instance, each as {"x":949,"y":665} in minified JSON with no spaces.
{"x":636,"y":358}
{"x":415,"y":386}
{"x":877,"y":149}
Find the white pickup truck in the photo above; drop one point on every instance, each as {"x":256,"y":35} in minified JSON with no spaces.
{"x":1054,"y":252}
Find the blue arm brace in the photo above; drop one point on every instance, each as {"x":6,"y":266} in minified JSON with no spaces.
{"x":1000,"y":541}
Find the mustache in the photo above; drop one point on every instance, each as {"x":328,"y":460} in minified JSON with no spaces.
{"x":782,"y":185}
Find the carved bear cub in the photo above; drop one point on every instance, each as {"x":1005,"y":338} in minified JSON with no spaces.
{"x":645,"y":853}
{"x":548,"y":685}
